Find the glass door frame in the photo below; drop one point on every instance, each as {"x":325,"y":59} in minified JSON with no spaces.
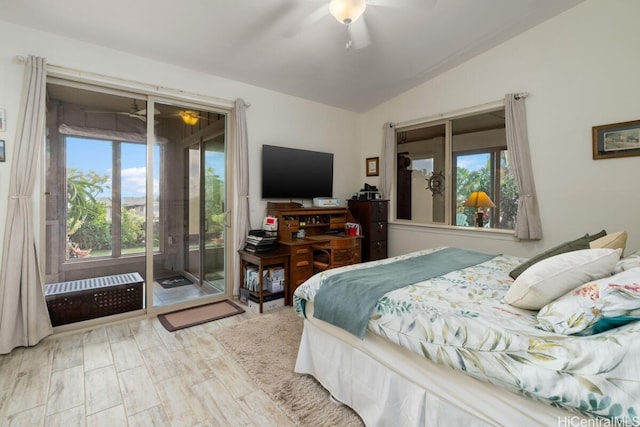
{"x":152,"y":93}
{"x":230,"y":256}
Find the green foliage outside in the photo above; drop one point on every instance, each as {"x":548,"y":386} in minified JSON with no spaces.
{"x":94,"y":231}
{"x":88,"y":226}
{"x":132,"y":229}
{"x":82,"y":190}
{"x":213,"y":205}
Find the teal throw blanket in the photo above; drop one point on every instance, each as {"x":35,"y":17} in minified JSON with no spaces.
{"x":348,"y":299}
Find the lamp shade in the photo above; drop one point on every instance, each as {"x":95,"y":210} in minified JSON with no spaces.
{"x":479,"y":199}
{"x":347,"y":11}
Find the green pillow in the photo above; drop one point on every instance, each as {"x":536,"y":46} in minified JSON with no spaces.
{"x":574,"y":245}
{"x":593,"y":237}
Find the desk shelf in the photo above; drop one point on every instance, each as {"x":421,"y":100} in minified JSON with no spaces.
{"x":263,"y":260}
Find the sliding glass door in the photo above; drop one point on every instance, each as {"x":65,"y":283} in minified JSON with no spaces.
{"x":193,"y":209}
{"x":135,"y":198}
{"x":205,"y":256}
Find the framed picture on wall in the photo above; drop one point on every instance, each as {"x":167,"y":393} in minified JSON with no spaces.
{"x":1,"y":150}
{"x":616,"y":140}
{"x":372,"y":166}
{"x":2,"y":120}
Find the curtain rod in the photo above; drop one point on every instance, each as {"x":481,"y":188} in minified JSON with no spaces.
{"x":89,"y":77}
{"x":461,"y":111}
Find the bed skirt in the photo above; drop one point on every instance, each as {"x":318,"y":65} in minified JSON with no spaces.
{"x":389,"y":386}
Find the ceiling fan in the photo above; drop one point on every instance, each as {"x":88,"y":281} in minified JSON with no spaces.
{"x":134,"y":111}
{"x":350,"y":13}
{"x":189,"y":117}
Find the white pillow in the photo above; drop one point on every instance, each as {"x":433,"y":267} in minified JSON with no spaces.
{"x":553,"y":277}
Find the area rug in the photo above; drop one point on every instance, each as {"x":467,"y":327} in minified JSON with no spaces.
{"x":266,"y":347}
{"x":173,"y":281}
{"x":198,"y":315}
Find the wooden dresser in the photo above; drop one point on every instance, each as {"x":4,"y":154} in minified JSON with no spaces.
{"x":315,"y":222}
{"x":372,"y":216}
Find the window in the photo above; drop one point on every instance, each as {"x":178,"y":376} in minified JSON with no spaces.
{"x":106,"y":197}
{"x":441,"y":164}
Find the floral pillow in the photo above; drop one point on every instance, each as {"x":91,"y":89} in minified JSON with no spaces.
{"x":595,"y":306}
{"x":627,"y":263}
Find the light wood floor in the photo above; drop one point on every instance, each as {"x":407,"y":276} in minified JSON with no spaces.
{"x":135,"y":374}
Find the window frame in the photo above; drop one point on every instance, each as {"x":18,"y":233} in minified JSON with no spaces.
{"x":450,"y":174}
{"x":115,"y":195}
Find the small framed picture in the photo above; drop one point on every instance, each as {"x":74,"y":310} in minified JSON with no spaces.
{"x":2,"y":120}
{"x":372,"y":166}
{"x":1,"y":150}
{"x":616,"y":140}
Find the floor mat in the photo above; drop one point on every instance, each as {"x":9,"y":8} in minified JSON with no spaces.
{"x":173,"y":281}
{"x":198,"y":315}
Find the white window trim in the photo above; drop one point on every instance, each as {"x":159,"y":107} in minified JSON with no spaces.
{"x":434,"y":120}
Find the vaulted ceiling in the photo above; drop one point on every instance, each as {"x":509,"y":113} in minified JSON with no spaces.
{"x":295,"y":46}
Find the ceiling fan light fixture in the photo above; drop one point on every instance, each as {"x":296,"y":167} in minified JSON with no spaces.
{"x":347,"y":11}
{"x":189,"y":117}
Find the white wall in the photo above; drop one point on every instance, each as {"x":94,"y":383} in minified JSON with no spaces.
{"x":273,"y":118}
{"x":581,"y":69}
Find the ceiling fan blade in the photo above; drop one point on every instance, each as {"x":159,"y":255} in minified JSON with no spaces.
{"x":358,"y":34}
{"x":308,"y":21}
{"x":143,"y":112}
{"x":134,"y":115}
{"x":414,"y":4}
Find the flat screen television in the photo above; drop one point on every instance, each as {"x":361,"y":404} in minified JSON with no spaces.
{"x":290,"y":173}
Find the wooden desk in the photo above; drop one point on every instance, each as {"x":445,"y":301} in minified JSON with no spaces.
{"x":263,"y":260}
{"x":301,"y":260}
{"x":325,"y":237}
{"x":316,"y":222}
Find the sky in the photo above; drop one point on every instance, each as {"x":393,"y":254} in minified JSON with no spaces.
{"x":471,"y":162}
{"x":90,"y":154}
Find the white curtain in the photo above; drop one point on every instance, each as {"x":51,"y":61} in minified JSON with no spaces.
{"x":387,"y":160}
{"x":24,"y":319}
{"x":528,"y":224}
{"x":242,"y":225}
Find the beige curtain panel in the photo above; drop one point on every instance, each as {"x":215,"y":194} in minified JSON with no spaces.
{"x":242,"y":225}
{"x":387,"y":160}
{"x":528,"y":224}
{"x":24,"y":319}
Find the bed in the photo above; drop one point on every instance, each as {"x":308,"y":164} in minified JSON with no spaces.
{"x":447,"y":348}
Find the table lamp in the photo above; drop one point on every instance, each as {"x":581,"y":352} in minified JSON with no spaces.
{"x":479,"y":200}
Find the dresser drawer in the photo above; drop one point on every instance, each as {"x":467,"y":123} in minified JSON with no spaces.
{"x":301,"y":257}
{"x":300,"y":276}
{"x":377,"y":231}
{"x":379,"y":211}
{"x":377,"y":250}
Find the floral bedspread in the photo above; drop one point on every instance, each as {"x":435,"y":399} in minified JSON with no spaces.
{"x":459,"y":320}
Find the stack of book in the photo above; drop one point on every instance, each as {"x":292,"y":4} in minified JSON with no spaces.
{"x":261,"y":241}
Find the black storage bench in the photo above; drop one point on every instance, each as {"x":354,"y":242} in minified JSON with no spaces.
{"x":85,"y":299}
